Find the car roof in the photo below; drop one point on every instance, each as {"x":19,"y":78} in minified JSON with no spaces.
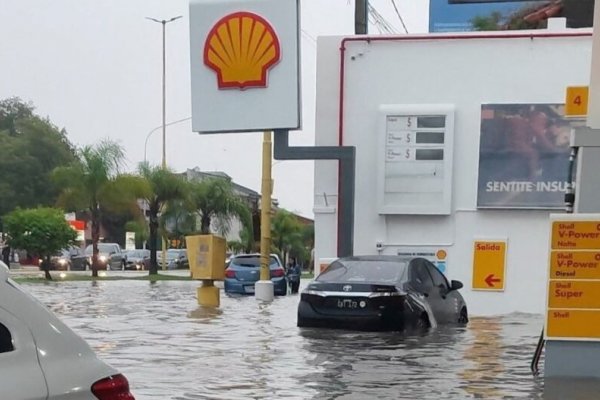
{"x":378,"y":258}
{"x":252,"y":255}
{"x":54,"y":340}
{"x":272,"y":256}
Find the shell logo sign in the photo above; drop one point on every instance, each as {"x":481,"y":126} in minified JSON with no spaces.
{"x":241,"y":48}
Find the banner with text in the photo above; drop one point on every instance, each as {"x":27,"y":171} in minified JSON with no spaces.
{"x":523,"y":156}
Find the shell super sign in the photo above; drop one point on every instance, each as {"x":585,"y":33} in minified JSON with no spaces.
{"x":241,"y":48}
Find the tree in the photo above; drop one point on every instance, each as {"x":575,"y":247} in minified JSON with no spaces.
{"x":31,"y":148}
{"x":161,"y":186}
{"x":12,"y":110}
{"x":246,"y":244}
{"x":93,"y":184}
{"x":39,"y":231}
{"x":215,"y":201}
{"x":287,"y":234}
{"x":178,"y":219}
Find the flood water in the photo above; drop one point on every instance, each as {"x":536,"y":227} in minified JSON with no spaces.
{"x":170,"y":348}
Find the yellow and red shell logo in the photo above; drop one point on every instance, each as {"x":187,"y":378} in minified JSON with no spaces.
{"x":241,"y":48}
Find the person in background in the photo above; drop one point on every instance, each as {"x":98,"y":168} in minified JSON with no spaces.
{"x":293,"y":275}
{"x":6,"y":255}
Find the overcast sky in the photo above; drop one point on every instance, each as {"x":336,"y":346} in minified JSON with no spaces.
{"x":94,"y":68}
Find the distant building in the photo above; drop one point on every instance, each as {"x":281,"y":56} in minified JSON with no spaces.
{"x":251,"y":197}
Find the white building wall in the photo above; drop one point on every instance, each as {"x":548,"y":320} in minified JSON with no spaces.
{"x":467,"y":74}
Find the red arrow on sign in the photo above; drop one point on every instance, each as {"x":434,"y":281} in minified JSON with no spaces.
{"x":490,"y":280}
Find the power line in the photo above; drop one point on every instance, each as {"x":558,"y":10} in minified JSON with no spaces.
{"x":399,"y":16}
{"x":383,"y":25}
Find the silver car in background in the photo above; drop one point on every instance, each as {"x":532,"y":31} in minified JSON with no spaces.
{"x":110,"y":256}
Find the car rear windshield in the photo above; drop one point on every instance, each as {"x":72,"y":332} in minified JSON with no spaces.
{"x":250,"y":262}
{"x":363,"y":271}
{"x":174,"y":253}
{"x":137,"y":253}
{"x":102,"y":248}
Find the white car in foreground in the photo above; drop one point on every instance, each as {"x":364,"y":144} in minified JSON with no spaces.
{"x":41,"y":358}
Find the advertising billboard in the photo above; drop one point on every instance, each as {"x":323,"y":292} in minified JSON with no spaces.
{"x":523,"y":156}
{"x":488,"y":15}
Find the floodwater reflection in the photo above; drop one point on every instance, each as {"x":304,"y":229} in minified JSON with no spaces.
{"x":170,"y":348}
{"x":205,"y":314}
{"x":485,"y":356}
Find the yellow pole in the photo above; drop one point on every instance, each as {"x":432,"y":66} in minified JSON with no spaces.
{"x":265,"y":209}
{"x":164,"y":132}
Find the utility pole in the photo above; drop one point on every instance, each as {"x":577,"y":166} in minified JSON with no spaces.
{"x":164,"y":23}
{"x":164,"y":86}
{"x":264,"y":289}
{"x":361,"y":17}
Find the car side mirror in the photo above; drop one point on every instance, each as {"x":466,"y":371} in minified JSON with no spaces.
{"x":455,"y":285}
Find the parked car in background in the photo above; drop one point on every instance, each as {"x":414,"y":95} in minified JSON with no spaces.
{"x":110,"y":256}
{"x":42,"y":358}
{"x":138,"y":259}
{"x":174,"y":259}
{"x":177,"y":259}
{"x":70,"y":259}
{"x":381,"y":293}
{"x":244,"y":271}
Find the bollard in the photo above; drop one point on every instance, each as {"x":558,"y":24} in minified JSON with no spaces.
{"x":264,"y":291}
{"x":208,"y":294}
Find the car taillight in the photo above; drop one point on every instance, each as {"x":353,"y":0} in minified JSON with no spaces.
{"x":229,"y":273}
{"x":276,"y":273}
{"x":114,"y":387}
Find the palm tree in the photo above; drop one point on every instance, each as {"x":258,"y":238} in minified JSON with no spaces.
{"x":161,"y":186}
{"x":287,"y":233}
{"x":93,"y":184}
{"x":215,"y":200}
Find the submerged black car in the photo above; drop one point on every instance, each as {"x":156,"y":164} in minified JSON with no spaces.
{"x":381,"y":293}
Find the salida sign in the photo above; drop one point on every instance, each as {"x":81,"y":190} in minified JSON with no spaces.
{"x":489,"y":262}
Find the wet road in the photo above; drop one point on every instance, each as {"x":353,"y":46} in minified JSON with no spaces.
{"x":169,"y":348}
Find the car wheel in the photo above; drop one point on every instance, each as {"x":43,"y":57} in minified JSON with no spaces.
{"x":463,"y":317}
{"x":423,"y":322}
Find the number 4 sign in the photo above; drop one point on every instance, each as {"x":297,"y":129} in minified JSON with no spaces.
{"x":576,"y":104}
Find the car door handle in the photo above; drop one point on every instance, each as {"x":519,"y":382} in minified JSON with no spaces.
{"x":425,"y":294}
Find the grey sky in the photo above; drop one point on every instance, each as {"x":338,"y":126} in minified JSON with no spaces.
{"x":94,"y":68}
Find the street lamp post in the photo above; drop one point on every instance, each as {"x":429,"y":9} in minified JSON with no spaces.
{"x":157,"y":128}
{"x":164,"y":86}
{"x":164,"y":107}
